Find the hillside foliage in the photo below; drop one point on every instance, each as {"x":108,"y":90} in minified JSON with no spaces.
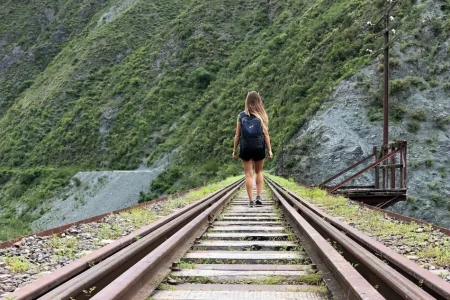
{"x":113,"y":84}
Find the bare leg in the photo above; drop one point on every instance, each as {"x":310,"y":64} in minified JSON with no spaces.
{"x":248,"y":168}
{"x":259,"y":176}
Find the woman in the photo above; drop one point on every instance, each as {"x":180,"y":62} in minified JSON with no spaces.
{"x":252,"y":133}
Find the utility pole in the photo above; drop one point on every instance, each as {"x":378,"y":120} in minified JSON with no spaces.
{"x":386,"y":84}
{"x":386,"y":18}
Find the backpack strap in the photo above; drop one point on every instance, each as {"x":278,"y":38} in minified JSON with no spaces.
{"x":243,"y":115}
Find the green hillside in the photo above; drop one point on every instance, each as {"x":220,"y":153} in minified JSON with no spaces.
{"x":113,"y":84}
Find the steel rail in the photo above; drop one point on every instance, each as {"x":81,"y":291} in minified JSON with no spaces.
{"x":139,"y":281}
{"x":73,"y":277}
{"x":390,"y":283}
{"x":352,"y":283}
{"x":431,"y":283}
{"x":104,"y":273}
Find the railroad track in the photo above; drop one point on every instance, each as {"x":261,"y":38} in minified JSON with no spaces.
{"x":248,"y":253}
{"x":224,"y":249}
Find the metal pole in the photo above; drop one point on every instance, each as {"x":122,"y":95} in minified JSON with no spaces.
{"x":386,"y":85}
{"x":377,"y":173}
{"x":405,"y":168}
{"x":393,"y":169}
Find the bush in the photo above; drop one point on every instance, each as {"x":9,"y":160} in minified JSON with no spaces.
{"x":442,"y":122}
{"x":399,"y":86}
{"x":375,"y":115}
{"x":280,"y":39}
{"x":436,"y":26}
{"x":211,"y":167}
{"x":203,"y":77}
{"x":145,"y":197}
{"x":413,"y":126}
{"x":419,"y":115}
{"x":76,"y":181}
{"x":394,"y":63}
{"x":166,"y":179}
{"x":397,"y":112}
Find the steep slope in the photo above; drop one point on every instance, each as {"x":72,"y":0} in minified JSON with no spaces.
{"x":348,"y":125}
{"x":130,"y":81}
{"x":31,"y":35}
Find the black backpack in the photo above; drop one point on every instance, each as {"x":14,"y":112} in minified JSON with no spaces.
{"x":252,"y":135}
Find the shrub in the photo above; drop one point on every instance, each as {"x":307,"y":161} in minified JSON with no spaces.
{"x":145,"y":197}
{"x":419,"y":115}
{"x":436,"y":198}
{"x":394,"y":63}
{"x":436,"y":26}
{"x":442,"y":122}
{"x":375,"y":114}
{"x":203,"y":77}
{"x":399,"y":85}
{"x":280,"y":39}
{"x":397,"y":112}
{"x":76,"y":181}
{"x":211,"y":167}
{"x":413,"y":126}
{"x":429,"y":162}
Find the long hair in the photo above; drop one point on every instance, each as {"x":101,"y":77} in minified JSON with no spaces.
{"x":254,"y":106}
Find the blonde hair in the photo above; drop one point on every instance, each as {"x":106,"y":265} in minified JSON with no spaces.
{"x":254,"y":106}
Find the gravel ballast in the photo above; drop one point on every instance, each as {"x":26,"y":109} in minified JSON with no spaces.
{"x":426,"y":246}
{"x":34,"y":256}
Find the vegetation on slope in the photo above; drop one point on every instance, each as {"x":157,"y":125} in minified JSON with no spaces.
{"x":133,"y":80}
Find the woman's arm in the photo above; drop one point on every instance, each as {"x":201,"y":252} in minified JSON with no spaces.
{"x":267,"y":139}
{"x":236,"y":138}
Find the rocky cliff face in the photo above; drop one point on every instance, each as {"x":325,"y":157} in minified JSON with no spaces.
{"x":349,"y":124}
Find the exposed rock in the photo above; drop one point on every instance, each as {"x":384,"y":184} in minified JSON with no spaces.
{"x":11,"y":58}
{"x":341,"y":133}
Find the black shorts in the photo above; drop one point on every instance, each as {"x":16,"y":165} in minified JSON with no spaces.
{"x":253,"y":154}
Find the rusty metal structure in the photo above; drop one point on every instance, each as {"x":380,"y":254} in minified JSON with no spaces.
{"x":389,"y":158}
{"x":390,"y":176}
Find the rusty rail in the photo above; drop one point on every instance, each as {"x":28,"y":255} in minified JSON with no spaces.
{"x":139,"y":281}
{"x":353,"y":285}
{"x":403,"y":268}
{"x":115,"y":258}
